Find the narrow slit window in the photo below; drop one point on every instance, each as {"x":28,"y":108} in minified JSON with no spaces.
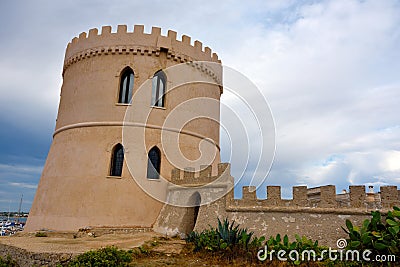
{"x":117,"y":160}
{"x":159,"y":83}
{"x":154,"y":163}
{"x":126,"y":86}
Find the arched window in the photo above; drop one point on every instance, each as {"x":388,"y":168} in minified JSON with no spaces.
{"x":126,"y":86}
{"x":117,"y":160}
{"x":153,"y":163}
{"x":159,"y":83}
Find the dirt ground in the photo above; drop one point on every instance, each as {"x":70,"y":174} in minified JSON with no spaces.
{"x":76,"y":243}
{"x":148,"y":248}
{"x":155,"y":249}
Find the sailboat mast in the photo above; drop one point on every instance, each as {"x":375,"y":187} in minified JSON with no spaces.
{"x":19,"y":209}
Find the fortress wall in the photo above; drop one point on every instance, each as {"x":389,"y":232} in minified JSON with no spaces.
{"x":318,"y":213}
{"x":319,"y":219}
{"x":324,"y":227}
{"x":326,"y":201}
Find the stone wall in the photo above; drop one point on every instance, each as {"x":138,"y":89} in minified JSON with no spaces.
{"x":318,"y":213}
{"x":192,"y":192}
{"x":323,"y":225}
{"x":27,"y":259}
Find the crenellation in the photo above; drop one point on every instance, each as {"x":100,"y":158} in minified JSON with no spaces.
{"x":121,"y":29}
{"x":172,"y":35}
{"x":249,"y":194}
{"x":148,"y":44}
{"x":175,"y":174}
{"x":389,"y":196}
{"x":205,"y":171}
{"x":357,"y":196}
{"x":273,"y":195}
{"x":224,"y":168}
{"x":188,"y":173}
{"x":214,"y":56}
{"x":207,"y":51}
{"x":328,"y":197}
{"x":186,"y":39}
{"x":198,"y":46}
{"x":138,"y":29}
{"x":82,"y":35}
{"x":321,"y":199}
{"x":202,"y":177}
{"x":156,"y":31}
{"x":106,"y":30}
{"x":300,"y":196}
{"x":93,"y":33}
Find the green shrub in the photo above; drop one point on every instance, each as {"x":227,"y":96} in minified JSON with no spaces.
{"x":41,"y":234}
{"x":8,"y":262}
{"x":381,"y":237}
{"x":108,"y":256}
{"x":228,"y":237}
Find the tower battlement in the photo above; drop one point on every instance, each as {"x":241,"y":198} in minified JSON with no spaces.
{"x":135,"y":42}
{"x":204,"y":176}
{"x":320,"y":199}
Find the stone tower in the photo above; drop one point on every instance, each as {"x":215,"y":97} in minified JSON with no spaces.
{"x":113,"y":151}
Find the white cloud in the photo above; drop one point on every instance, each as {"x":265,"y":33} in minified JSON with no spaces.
{"x":391,"y":162}
{"x":329,"y":70}
{"x":12,"y":168}
{"x":330,"y":77}
{"x":23,"y":185}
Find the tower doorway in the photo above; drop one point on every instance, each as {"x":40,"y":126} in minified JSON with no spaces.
{"x":192,"y":212}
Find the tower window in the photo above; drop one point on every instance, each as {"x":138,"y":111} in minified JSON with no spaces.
{"x":159,"y":83}
{"x":117,"y":160}
{"x":126,"y":86}
{"x":153,"y":163}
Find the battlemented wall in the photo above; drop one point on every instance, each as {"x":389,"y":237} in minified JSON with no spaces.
{"x":318,"y":213}
{"x":135,"y":42}
{"x":357,"y":201}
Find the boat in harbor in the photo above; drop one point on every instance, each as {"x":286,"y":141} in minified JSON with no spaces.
{"x":12,"y":225}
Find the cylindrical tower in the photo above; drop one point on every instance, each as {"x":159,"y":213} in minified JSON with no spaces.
{"x":96,"y":172}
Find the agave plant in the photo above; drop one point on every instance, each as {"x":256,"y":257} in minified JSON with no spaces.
{"x":226,"y":235}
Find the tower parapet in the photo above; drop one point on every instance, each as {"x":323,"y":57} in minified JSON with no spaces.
{"x":136,"y":42}
{"x":202,"y":177}
{"x":307,"y":200}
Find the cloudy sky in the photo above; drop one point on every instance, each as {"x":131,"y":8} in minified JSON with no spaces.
{"x":329,"y":70}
